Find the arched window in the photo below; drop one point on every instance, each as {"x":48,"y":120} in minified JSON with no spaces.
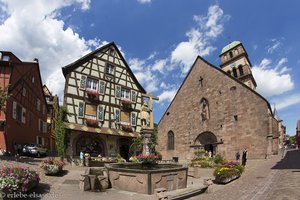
{"x":170,"y":140}
{"x":234,"y":72}
{"x":231,"y":54}
{"x":241,"y":71}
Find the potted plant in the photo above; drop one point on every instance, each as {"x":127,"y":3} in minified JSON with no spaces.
{"x":126,"y":102}
{"x":91,"y":122}
{"x":228,"y":172}
{"x":126,"y":127}
{"x":147,"y":159}
{"x":52,"y":167}
{"x":17,"y":179}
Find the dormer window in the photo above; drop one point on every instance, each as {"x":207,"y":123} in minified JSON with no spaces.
{"x":109,"y":69}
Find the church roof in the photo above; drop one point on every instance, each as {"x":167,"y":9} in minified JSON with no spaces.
{"x":230,"y":46}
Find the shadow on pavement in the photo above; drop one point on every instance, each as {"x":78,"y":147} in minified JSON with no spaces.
{"x":291,"y":160}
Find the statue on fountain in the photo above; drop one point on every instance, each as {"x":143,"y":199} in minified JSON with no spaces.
{"x":147,"y":122}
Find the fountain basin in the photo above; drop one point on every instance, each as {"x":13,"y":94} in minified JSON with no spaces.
{"x":144,"y":179}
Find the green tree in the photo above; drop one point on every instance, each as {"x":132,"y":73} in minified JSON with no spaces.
{"x":60,"y":132}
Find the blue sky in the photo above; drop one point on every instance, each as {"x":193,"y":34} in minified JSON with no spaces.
{"x":160,"y":40}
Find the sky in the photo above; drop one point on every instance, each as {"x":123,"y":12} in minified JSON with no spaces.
{"x":160,"y":40}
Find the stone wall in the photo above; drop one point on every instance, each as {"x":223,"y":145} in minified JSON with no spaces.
{"x":238,"y":116}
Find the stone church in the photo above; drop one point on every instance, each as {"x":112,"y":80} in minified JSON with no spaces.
{"x":218,"y":109}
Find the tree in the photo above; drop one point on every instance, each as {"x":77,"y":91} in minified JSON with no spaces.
{"x":60,"y":132}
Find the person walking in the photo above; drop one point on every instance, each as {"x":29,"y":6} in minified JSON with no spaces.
{"x":237,"y":156}
{"x":244,"y":157}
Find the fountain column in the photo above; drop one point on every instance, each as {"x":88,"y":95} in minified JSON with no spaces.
{"x":147,"y":122}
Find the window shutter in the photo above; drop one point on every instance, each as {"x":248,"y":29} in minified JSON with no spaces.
{"x":133,"y":119}
{"x":14,"y":110}
{"x":102,"y":87}
{"x":82,"y":82}
{"x":40,"y":128}
{"x":81,"y":109}
{"x":118,"y":91}
{"x":44,"y":127}
{"x":23,"y":115}
{"x":133,"y":96}
{"x":117,"y":115}
{"x":100,"y":113}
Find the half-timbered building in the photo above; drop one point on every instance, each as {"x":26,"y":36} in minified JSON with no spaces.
{"x":103,"y":100}
{"x":23,"y":116}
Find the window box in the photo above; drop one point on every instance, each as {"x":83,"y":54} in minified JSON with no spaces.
{"x":92,"y":92}
{"x":126,"y":127}
{"x":126,"y":102}
{"x":92,"y":122}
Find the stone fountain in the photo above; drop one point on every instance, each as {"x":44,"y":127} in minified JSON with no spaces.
{"x":136,"y":177}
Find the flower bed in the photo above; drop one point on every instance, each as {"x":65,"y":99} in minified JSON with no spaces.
{"x":151,"y":158}
{"x":228,"y":172}
{"x":17,"y":179}
{"x":92,"y":92}
{"x":52,"y":167}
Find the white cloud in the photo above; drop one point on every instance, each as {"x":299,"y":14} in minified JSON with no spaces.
{"x":159,"y":65}
{"x":144,"y":1}
{"x":287,"y":101}
{"x":274,"y":46}
{"x":136,"y":64}
{"x":167,"y":95}
{"x":199,"y":38}
{"x":42,"y":35}
{"x":272,"y":80}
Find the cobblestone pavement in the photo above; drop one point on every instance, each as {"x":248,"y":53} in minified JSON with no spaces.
{"x":274,"y":178}
{"x":271,"y":179}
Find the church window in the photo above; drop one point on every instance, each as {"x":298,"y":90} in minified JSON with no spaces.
{"x":241,"y":71}
{"x":170,"y":140}
{"x":230,"y":54}
{"x":109,"y":69}
{"x":234,"y":72}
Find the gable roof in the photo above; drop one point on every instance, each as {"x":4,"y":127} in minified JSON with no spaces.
{"x":68,"y":68}
{"x":224,"y":73}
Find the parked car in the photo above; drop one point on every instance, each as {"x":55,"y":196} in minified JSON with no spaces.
{"x":34,"y":150}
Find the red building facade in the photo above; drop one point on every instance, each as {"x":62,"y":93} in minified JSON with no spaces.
{"x":24,"y":115}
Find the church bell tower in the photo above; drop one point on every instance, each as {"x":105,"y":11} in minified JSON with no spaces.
{"x":235,"y":61}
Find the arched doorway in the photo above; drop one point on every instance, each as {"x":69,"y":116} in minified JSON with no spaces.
{"x":208,"y":141}
{"x":124,"y":145}
{"x":90,"y":144}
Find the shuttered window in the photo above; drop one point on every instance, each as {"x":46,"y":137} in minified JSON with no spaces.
{"x":117,"y":115}
{"x":100,"y":112}
{"x":81,"y":109}
{"x":118,"y":91}
{"x":133,"y":96}
{"x":82,"y":82}
{"x":133,"y":119}
{"x":102,"y":87}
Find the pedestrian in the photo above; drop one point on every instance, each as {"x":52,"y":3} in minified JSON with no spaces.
{"x":244,"y":157}
{"x":237,"y":156}
{"x":16,"y":148}
{"x":81,"y":158}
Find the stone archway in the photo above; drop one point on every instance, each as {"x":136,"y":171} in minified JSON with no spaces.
{"x":124,"y":147}
{"x":208,"y":141}
{"x":90,"y":144}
